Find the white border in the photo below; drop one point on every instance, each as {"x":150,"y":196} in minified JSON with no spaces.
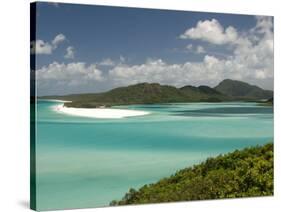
{"x":14,"y":69}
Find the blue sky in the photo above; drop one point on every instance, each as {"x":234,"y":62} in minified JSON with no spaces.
{"x":115,"y":46}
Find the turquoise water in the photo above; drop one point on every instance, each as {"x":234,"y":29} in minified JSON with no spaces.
{"x":87,"y":162}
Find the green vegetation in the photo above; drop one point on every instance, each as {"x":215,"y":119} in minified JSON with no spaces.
{"x":143,"y":93}
{"x":242,"y":90}
{"x":203,"y":93}
{"x":268,"y":102}
{"x":242,"y":173}
{"x":152,"y":93}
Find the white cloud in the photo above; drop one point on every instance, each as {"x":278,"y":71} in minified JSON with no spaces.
{"x":107,"y":62}
{"x":200,"y":50}
{"x":250,"y":61}
{"x":210,"y":71}
{"x":264,"y":25}
{"x":40,"y":47}
{"x":69,"y":52}
{"x":61,"y":71}
{"x":110,"y":63}
{"x":211,"y":31}
{"x":58,"y":40}
{"x":43,"y":47}
{"x":174,"y":74}
{"x":60,"y":76}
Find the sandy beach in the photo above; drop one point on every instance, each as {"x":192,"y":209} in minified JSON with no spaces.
{"x":57,"y":100}
{"x":102,"y":113}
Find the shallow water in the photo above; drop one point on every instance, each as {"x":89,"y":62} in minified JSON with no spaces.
{"x":87,"y":162}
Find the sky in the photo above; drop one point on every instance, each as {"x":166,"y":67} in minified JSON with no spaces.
{"x":89,"y":49}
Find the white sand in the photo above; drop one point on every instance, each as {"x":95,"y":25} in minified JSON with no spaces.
{"x":56,"y":100}
{"x":103,"y":113}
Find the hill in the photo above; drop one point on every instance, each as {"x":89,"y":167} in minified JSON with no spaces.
{"x":204,"y":93}
{"x":243,"y":173}
{"x":242,"y":90}
{"x":152,"y":93}
{"x":142,"y":93}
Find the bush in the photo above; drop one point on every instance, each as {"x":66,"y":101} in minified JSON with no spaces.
{"x":244,"y":173}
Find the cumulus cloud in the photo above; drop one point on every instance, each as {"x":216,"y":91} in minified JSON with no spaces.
{"x":43,"y":47}
{"x":173,"y":74}
{"x":60,"y":77}
{"x":69,"y":72}
{"x":107,"y":62}
{"x":264,"y":25}
{"x":211,"y":31}
{"x":69,"y":52}
{"x":251,"y":60}
{"x":111,"y":63}
{"x":57,"y":40}
{"x":40,"y":47}
{"x":200,"y":50}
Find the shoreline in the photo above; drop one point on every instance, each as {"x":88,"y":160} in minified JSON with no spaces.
{"x":100,"y":113}
{"x":54,"y":100}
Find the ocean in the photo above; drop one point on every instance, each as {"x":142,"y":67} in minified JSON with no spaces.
{"x":87,"y":162}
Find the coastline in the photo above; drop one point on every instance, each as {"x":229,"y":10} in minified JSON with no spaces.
{"x":101,"y":113}
{"x":55,"y":100}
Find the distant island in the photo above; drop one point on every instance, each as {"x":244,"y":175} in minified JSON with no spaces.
{"x":242,"y":173}
{"x":153,"y":93}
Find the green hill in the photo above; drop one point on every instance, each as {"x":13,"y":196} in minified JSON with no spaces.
{"x":242,"y":90}
{"x":143,"y":93}
{"x":204,"y":93}
{"x":243,"y":173}
{"x":150,"y":93}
